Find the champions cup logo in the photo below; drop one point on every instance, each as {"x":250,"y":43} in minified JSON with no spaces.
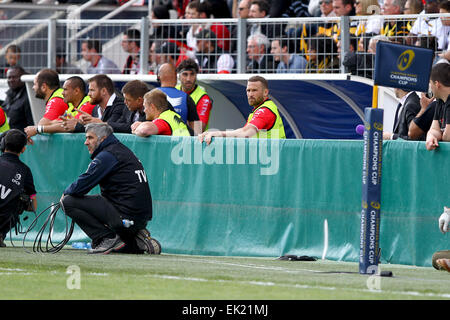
{"x":405,"y":60}
{"x":375,"y":205}
{"x":378,"y":126}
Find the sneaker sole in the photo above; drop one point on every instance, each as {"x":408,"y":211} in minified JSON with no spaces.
{"x":154,"y":248}
{"x":118,"y":246}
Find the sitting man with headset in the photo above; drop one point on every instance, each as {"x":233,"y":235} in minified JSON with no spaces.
{"x":17,"y":191}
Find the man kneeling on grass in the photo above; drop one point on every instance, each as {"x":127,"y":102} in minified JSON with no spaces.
{"x":116,"y":219}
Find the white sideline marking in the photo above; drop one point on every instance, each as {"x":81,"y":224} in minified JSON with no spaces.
{"x":300,"y":286}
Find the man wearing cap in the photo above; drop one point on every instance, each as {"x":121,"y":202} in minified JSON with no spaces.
{"x":207,"y":54}
{"x":187,"y":74}
{"x":263,"y":122}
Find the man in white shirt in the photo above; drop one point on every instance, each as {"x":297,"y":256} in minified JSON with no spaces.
{"x":91,"y":51}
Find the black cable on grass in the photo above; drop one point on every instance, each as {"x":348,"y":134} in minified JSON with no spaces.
{"x":48,"y":225}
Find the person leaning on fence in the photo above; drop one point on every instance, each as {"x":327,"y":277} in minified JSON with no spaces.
{"x":109,"y":107}
{"x":263,"y":122}
{"x":161,"y":120}
{"x":420,"y":125}
{"x":125,"y":195}
{"x":16,"y":181}
{"x":133,"y":93}
{"x":47,"y":87}
{"x":17,"y":104}
{"x":440,"y":85}
{"x":74,"y":94}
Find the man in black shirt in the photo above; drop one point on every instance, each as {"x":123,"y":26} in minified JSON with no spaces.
{"x":17,"y":105}
{"x":116,"y":219}
{"x":440,"y":85}
{"x":17,"y":192}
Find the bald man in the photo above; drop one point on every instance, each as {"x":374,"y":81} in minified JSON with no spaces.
{"x":182,"y":103}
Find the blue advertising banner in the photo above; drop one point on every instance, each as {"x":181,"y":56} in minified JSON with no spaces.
{"x":371,"y":192}
{"x":404,"y":67}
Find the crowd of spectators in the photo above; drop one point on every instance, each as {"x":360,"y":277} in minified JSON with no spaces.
{"x":313,"y":46}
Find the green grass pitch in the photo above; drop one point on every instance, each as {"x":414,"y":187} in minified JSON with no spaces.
{"x":74,"y":274}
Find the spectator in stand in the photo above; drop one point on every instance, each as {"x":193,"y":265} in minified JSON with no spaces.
{"x":207,"y":54}
{"x":372,"y":26}
{"x":47,"y":87}
{"x":163,"y":32}
{"x":343,"y":8}
{"x":323,"y":57}
{"x":413,"y":7}
{"x":257,"y":52}
{"x":221,"y":31}
{"x":131,"y":43}
{"x":424,"y":26}
{"x":180,"y":7}
{"x":441,"y":29}
{"x":166,"y":52}
{"x":219,"y":9}
{"x":91,"y":50}
{"x":295,"y":9}
{"x":394,"y":29}
{"x":243,"y":13}
{"x":244,"y":9}
{"x":289,"y":62}
{"x":12,"y":57}
{"x":192,"y":12}
{"x":260,"y":9}
{"x":17,"y":105}
{"x":62,"y":66}
{"x":326,"y":8}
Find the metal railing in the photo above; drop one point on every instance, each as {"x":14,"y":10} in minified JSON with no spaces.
{"x":276,"y":45}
